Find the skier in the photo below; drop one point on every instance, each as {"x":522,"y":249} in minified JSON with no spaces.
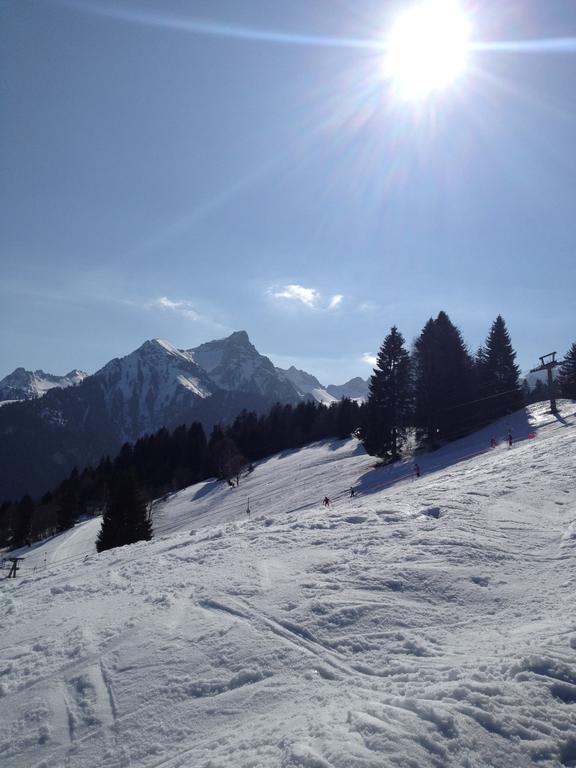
{"x":492,"y":442}
{"x":352,"y":492}
{"x":509,"y":438}
{"x":417,"y":470}
{"x":326,"y":501}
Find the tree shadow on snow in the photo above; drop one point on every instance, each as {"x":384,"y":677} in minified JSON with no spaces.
{"x":458,"y":451}
{"x":207,"y":487}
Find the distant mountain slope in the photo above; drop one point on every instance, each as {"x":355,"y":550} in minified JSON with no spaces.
{"x":355,"y":389}
{"x":307,"y":385}
{"x":151,"y":387}
{"x":28,"y":385}
{"x":234,"y":364}
{"x":155,"y":386}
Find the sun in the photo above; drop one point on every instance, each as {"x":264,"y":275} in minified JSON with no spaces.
{"x":427,"y":48}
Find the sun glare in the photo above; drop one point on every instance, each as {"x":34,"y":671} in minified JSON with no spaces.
{"x":427,"y":48}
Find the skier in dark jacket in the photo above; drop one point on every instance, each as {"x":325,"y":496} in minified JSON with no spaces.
{"x":326,"y":501}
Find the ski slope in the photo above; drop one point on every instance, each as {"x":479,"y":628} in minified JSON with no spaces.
{"x":424,"y":622}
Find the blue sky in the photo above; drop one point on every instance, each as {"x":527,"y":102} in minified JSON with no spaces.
{"x":161,"y":180}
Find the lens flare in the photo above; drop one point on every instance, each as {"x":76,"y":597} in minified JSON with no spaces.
{"x":427,"y":49}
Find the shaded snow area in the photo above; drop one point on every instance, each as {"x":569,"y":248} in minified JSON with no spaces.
{"x":424,"y":622}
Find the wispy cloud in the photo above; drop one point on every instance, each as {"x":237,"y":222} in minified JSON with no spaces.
{"x":367,"y":307}
{"x":310,"y":297}
{"x":368,"y":359}
{"x":184,"y":308}
{"x":181,"y":307}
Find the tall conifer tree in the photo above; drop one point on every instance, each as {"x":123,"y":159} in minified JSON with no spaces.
{"x":389,"y":399}
{"x":125,"y":519}
{"x":499,"y":390}
{"x":443,"y":381}
{"x":567,"y":375}
{"x":22,"y":523}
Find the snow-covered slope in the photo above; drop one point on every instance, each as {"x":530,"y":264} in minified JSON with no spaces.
{"x":234,"y":364}
{"x":307,"y":385}
{"x":28,"y":385}
{"x":424,"y":622}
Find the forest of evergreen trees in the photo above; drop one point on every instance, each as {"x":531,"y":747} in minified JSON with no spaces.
{"x":164,"y":462}
{"x":439,"y":391}
{"x":436,"y":392}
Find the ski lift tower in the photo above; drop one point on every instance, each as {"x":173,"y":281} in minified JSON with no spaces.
{"x":548,"y":363}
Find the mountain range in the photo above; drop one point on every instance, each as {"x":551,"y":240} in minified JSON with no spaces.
{"x":28,"y":385}
{"x":49,"y":424}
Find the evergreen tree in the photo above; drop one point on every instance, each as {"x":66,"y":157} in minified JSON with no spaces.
{"x":499,"y":388}
{"x":22,"y":522}
{"x":567,"y":375}
{"x":346,"y":418}
{"x":212,"y":461}
{"x":5,"y":528}
{"x":539,"y":392}
{"x":389,"y":399}
{"x":228,"y":459}
{"x":443,"y":382}
{"x":67,"y":512}
{"x":125,"y":519}
{"x":196,"y":451}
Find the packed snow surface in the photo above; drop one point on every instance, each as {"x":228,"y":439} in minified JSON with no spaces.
{"x":423,"y":622}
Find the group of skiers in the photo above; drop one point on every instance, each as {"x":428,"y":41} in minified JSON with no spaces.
{"x":509,"y":439}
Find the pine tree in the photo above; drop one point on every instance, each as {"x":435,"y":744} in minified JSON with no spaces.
{"x":499,"y":388}
{"x":346,"y":417}
{"x":22,"y":523}
{"x":443,"y":382}
{"x":567,"y":375}
{"x":389,"y":399}
{"x":68,"y":510}
{"x":125,"y":519}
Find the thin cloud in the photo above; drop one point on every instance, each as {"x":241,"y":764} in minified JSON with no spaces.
{"x":367,"y":307}
{"x":183,"y":308}
{"x":368,"y":359}
{"x":308,"y":296}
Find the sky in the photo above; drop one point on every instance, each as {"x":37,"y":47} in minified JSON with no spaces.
{"x":184,"y":169}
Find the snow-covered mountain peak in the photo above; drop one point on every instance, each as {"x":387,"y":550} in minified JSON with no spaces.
{"x":143,"y":389}
{"x":235,"y":364}
{"x":76,"y":376}
{"x":159,"y":348}
{"x":30,"y":385}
